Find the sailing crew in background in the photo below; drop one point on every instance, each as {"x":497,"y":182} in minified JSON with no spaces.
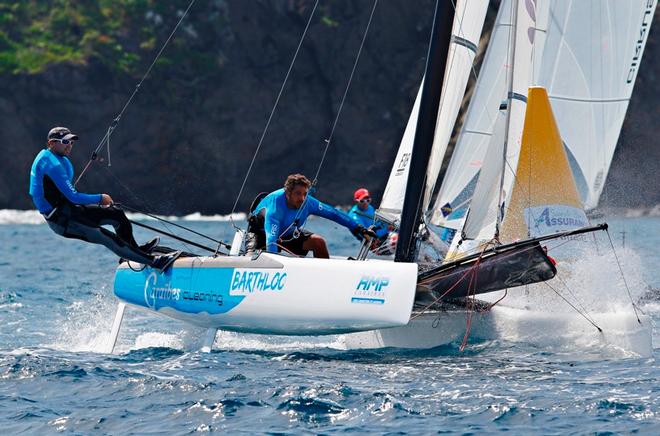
{"x":73,"y":214}
{"x":278,"y":219}
{"x":364,"y":213}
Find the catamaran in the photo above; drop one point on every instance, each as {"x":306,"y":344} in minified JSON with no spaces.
{"x":510,"y":186}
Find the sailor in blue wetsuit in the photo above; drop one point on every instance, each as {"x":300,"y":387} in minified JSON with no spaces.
{"x":74,"y":214}
{"x":277,"y":221}
{"x":364,"y":213}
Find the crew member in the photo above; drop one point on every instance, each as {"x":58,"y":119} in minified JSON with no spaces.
{"x":364,"y":213}
{"x":278,"y":219}
{"x":73,"y":214}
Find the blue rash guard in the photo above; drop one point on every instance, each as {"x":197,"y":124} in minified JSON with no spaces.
{"x":281,"y":221}
{"x":49,"y":168}
{"x":366,"y":218}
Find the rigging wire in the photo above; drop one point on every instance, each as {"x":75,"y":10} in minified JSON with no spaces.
{"x":470,"y":305}
{"x":272,"y":112}
{"x":573,"y":306}
{"x":563,"y":282}
{"x":106,"y":141}
{"x":472,"y":270}
{"x":343,"y":99}
{"x":165,"y":222}
{"x":115,"y":122}
{"x":328,"y":140}
{"x":161,"y":219}
{"x":623,"y":277}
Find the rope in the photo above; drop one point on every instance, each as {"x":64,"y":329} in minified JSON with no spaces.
{"x":584,"y":309}
{"x":506,"y":292}
{"x":115,"y":122}
{"x":427,"y":307}
{"x":343,"y":99}
{"x":575,"y":308}
{"x":272,"y":112}
{"x":623,"y":276}
{"x":178,"y":238}
{"x":156,"y":217}
{"x":470,"y":306}
{"x":470,"y":270}
{"x":328,"y":140}
{"x":137,"y":198}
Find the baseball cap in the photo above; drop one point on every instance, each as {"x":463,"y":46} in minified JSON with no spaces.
{"x":360,"y":194}
{"x":61,"y":133}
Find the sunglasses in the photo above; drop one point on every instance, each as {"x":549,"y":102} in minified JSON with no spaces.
{"x":365,"y":200}
{"x":63,"y":141}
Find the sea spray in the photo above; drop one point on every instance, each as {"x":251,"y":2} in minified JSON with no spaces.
{"x":85,"y":324}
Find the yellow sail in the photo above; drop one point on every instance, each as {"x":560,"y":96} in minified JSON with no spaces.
{"x":544,"y":198}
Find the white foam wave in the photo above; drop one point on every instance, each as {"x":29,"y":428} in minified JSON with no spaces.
{"x":13,"y":216}
{"x":86,"y":326}
{"x":652,"y":307}
{"x":240,"y":216}
{"x":155,"y":339}
{"x":191,"y":217}
{"x":590,"y":280}
{"x":593,"y":283}
{"x":142,"y":217}
{"x":621,"y":336}
{"x":242,"y":341}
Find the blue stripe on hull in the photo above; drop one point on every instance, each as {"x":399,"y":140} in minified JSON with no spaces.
{"x":188,"y":290}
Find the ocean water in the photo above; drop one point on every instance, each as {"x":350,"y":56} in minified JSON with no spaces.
{"x":57,"y":305}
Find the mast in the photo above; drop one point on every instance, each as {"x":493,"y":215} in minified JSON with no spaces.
{"x":510,"y":96}
{"x":436,"y":61}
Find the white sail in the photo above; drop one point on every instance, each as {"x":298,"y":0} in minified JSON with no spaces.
{"x":482,"y":219}
{"x":498,"y":172}
{"x":395,"y":191}
{"x":467,"y":158}
{"x":466,"y":30}
{"x":520,"y":81}
{"x":589,"y":65}
{"x":468,"y":24}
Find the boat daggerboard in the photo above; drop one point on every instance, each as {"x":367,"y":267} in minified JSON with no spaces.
{"x":275,"y":294}
{"x":544,"y":199}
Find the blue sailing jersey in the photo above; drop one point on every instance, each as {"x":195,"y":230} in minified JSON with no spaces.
{"x":60,"y":171}
{"x":367,"y":218}
{"x":281,"y":221}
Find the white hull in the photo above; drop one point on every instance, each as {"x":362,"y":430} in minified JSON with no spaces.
{"x":622,"y":335}
{"x":273,"y":294}
{"x":428,"y":330}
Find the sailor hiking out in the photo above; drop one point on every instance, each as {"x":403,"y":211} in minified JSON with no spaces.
{"x":277,"y":221}
{"x":74,"y":214}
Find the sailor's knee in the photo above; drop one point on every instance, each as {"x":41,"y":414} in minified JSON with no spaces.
{"x":316,"y":242}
